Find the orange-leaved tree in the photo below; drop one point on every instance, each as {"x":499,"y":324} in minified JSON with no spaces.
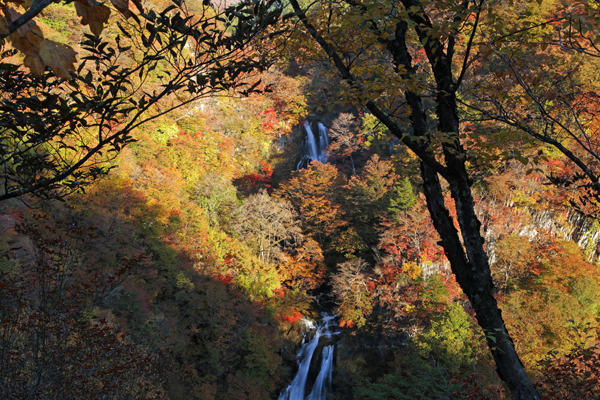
{"x":314,"y":192}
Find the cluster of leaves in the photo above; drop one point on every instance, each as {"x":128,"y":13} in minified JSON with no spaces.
{"x":40,"y":52}
{"x":414,"y":380}
{"x":559,"y":296}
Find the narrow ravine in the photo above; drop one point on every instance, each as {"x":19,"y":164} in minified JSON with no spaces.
{"x":324,"y":331}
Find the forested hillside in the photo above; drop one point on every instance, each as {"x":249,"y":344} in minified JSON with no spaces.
{"x":167,"y":233}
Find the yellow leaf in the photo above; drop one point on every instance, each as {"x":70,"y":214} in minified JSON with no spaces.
{"x":95,"y":16}
{"x":60,"y":57}
{"x":122,"y":6}
{"x":34,"y":62}
{"x":412,"y":269}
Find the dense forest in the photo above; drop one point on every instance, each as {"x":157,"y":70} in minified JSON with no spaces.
{"x":188,"y":186}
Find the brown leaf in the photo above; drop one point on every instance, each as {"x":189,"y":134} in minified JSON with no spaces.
{"x":95,"y":16}
{"x":28,"y":37}
{"x":60,"y":57}
{"x":122,"y":6}
{"x":31,"y":42}
{"x":34,"y":62}
{"x":26,"y":27}
{"x":3,"y":26}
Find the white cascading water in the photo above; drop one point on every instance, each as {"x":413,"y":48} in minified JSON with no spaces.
{"x":323,"y":140}
{"x":322,"y":385}
{"x":297,"y":389}
{"x":314,"y":146}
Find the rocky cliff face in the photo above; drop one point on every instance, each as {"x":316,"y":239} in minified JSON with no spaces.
{"x":567,"y":225}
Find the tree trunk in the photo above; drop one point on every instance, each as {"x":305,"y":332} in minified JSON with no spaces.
{"x":475,"y":279}
{"x":472,"y":269}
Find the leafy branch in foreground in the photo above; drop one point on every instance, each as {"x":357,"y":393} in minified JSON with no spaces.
{"x":59,"y":135}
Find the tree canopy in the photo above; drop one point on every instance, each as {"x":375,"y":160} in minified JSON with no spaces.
{"x":416,"y":65}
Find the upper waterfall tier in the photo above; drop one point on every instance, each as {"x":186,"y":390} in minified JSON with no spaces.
{"x":314,"y":146}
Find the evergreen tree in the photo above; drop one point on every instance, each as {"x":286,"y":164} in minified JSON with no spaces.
{"x":403,"y":197}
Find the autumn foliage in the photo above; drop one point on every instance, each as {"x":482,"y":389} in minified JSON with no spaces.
{"x":186,"y":252}
{"x":53,"y":343}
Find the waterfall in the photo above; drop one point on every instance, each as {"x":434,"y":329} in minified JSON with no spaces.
{"x":322,"y":386}
{"x":323,"y":139}
{"x":314,"y":146}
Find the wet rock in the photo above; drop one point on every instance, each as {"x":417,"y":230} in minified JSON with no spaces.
{"x":310,"y":334}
